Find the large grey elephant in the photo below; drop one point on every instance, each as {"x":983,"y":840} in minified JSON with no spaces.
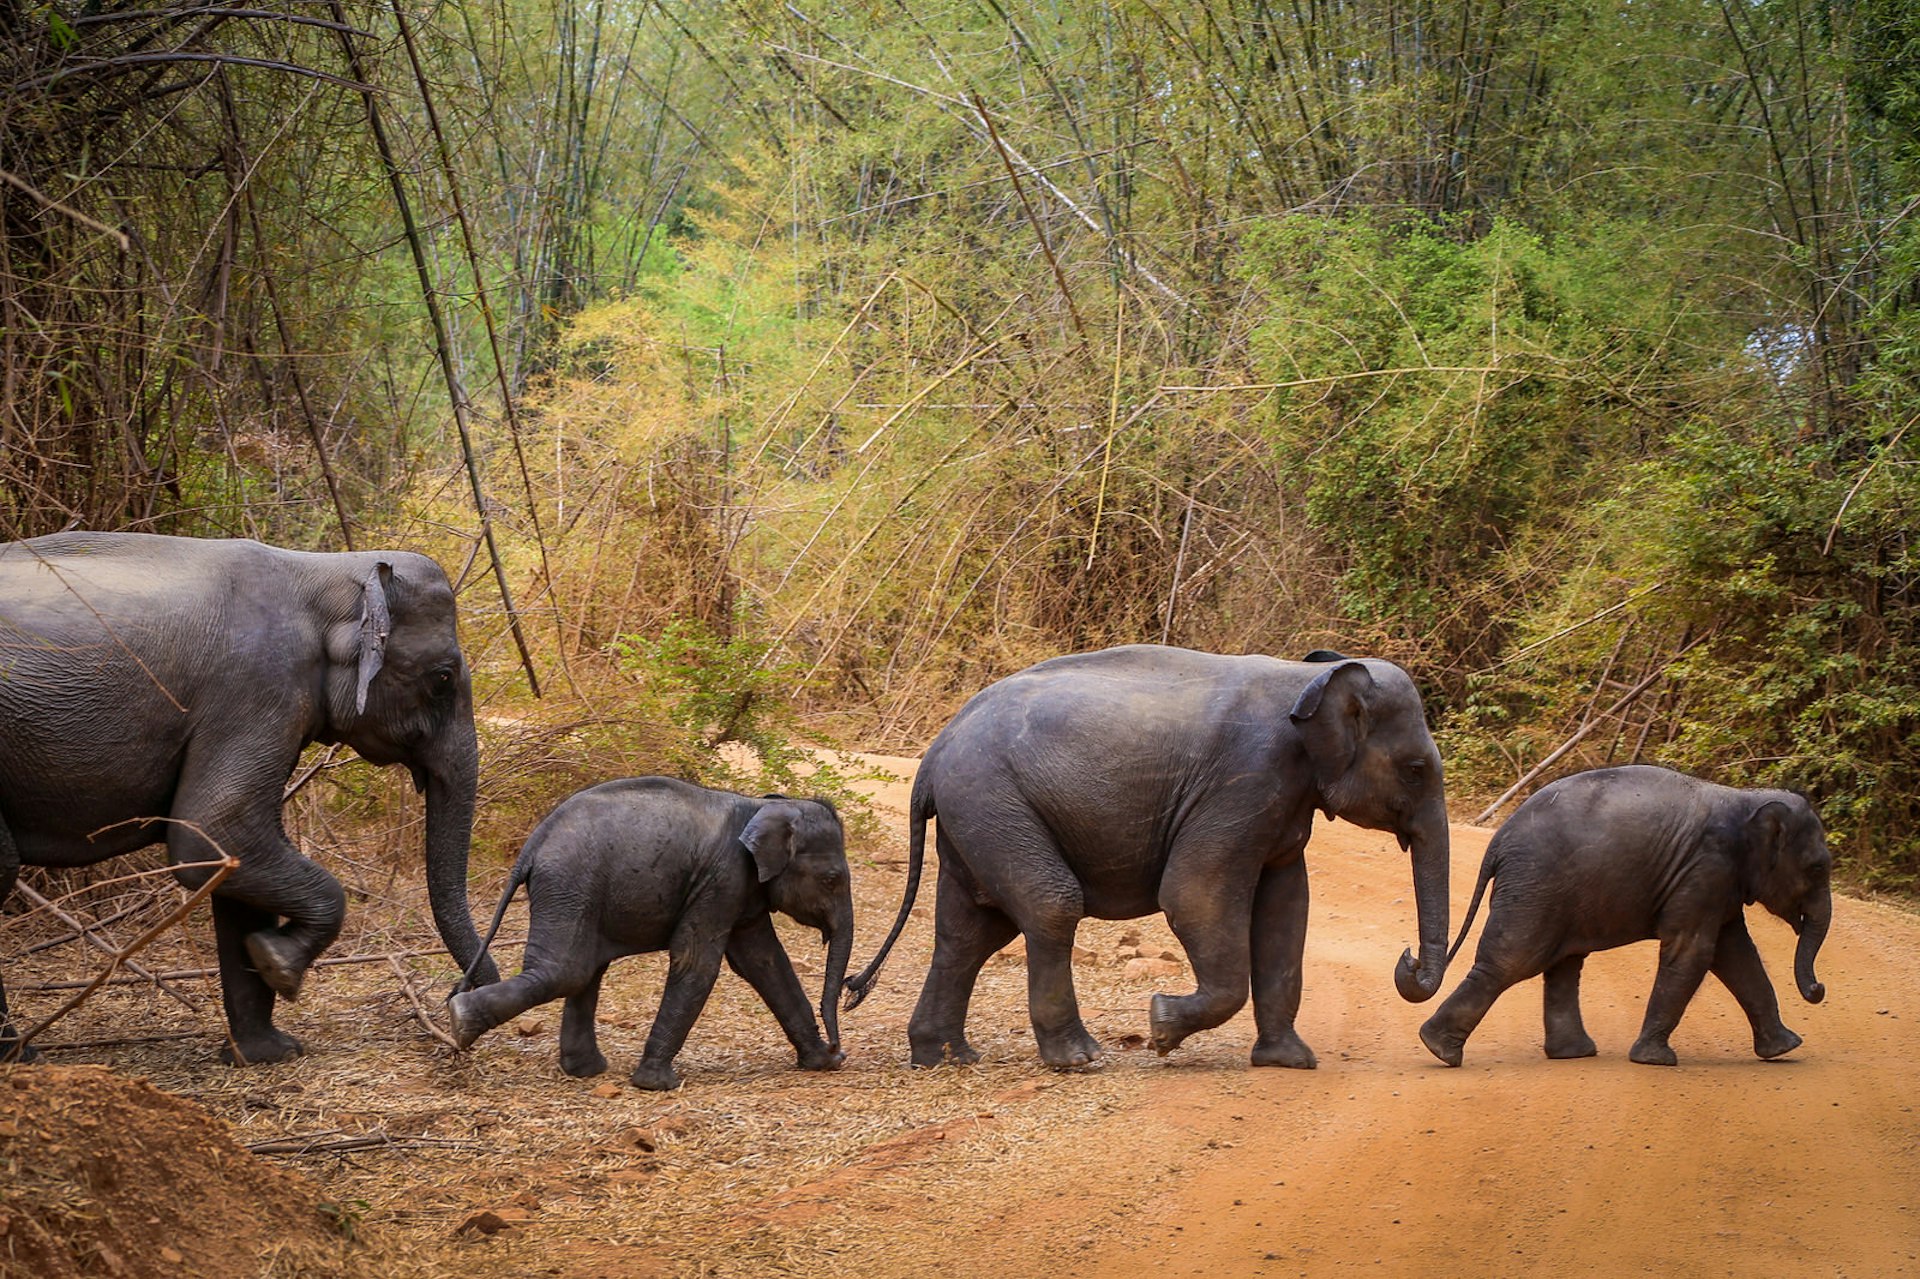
{"x":1119,"y":783}
{"x":651,"y":863}
{"x":1619,"y":855}
{"x":160,"y":690}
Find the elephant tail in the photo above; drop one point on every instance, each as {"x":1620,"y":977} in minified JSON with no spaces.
{"x":919,"y":808}
{"x":1487,"y":867}
{"x":522,"y":868}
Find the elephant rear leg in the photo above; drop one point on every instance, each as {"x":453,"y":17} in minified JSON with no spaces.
{"x":1566,"y":1034}
{"x":475,"y":1012}
{"x":580,"y":1054}
{"x":965,"y":935}
{"x":1501,"y":960}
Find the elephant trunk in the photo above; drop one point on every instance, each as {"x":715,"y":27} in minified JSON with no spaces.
{"x":452,"y":778}
{"x":839,"y":951}
{"x":1813,"y":932}
{"x":1418,"y":980}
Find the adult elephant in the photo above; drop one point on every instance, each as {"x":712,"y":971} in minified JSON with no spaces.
{"x":160,"y":690}
{"x":1140,"y":779}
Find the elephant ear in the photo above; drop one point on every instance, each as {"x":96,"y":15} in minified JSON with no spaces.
{"x":1767,"y":828}
{"x":1333,"y":718}
{"x":769,"y":837}
{"x":376,"y":623}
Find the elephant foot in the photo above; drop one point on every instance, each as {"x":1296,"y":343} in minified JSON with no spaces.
{"x":1445,"y":1045}
{"x":278,"y":962}
{"x":1568,"y":1047}
{"x":261,"y":1050}
{"x":583,"y":1064}
{"x":655,"y":1076}
{"x":1777,"y":1042}
{"x":949,"y":1052}
{"x":820,"y":1057}
{"x":1068,"y":1050}
{"x":1288,"y":1050}
{"x":468,"y":1024}
{"x":11,"y":1050}
{"x":1164,"y":1029}
{"x":1650,"y":1052}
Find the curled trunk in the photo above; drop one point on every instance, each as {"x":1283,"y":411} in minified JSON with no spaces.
{"x":1418,"y":980}
{"x":451,"y":781}
{"x":839,"y":951}
{"x":1813,"y":932}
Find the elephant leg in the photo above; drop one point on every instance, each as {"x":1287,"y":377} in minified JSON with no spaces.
{"x":252,"y":1038}
{"x":1213,"y":917}
{"x":10,"y":1046}
{"x":965,"y":935}
{"x":1737,"y":964}
{"x":580,"y":1054}
{"x":754,"y":951}
{"x":1508,"y":953}
{"x":1566,"y":1034}
{"x":692,"y":968}
{"x":550,"y":973}
{"x":216,"y":810}
{"x":1684,"y":960}
{"x":1279,"y":940}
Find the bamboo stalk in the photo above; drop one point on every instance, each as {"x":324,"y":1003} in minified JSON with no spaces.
{"x":443,"y":340}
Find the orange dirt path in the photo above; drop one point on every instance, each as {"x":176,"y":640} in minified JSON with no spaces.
{"x":1385,"y":1161}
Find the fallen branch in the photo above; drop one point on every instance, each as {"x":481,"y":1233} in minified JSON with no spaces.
{"x":89,"y":933}
{"x":226,"y":867}
{"x":1626,"y":699}
{"x":189,"y":974}
{"x":118,"y":1041}
{"x":419,"y":1009}
{"x":312,"y":1144}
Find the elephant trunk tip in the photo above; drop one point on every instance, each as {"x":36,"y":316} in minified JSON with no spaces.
{"x":1812,"y":991}
{"x":1417,"y":981}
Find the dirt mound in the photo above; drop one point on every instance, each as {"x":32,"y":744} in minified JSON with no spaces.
{"x":101,"y":1175}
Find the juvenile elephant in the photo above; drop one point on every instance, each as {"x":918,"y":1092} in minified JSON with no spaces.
{"x":650,"y":863}
{"x":1619,"y":855}
{"x":160,"y":690}
{"x":1118,"y":783}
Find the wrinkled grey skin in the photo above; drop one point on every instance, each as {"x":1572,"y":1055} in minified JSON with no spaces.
{"x":651,"y":863}
{"x":160,"y":690}
{"x":1119,"y":783}
{"x":1619,"y":855}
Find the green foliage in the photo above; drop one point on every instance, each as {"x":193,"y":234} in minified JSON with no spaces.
{"x":721,"y":691}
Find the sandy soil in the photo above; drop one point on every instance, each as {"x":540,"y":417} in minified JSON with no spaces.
{"x":1381,"y":1159}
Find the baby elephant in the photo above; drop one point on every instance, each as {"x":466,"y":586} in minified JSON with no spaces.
{"x":650,"y":863}
{"x":1620,"y":855}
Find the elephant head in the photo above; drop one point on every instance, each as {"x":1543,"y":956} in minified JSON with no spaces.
{"x":799,"y":851}
{"x":399,"y":692}
{"x":1374,"y":763}
{"x":1787,"y":869}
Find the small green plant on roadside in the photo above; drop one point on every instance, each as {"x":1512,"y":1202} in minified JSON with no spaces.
{"x":727,"y":697}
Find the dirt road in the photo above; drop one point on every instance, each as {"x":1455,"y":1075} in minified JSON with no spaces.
{"x":1381,"y":1161}
{"x":1385,"y":1161}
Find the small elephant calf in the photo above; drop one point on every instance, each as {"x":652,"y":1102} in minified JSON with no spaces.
{"x":1619,"y":855}
{"x":651,"y":863}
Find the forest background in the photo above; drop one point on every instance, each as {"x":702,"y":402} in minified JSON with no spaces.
{"x":784,"y":373}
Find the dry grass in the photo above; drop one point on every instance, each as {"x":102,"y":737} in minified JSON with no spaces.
{"x":751,"y":1168}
